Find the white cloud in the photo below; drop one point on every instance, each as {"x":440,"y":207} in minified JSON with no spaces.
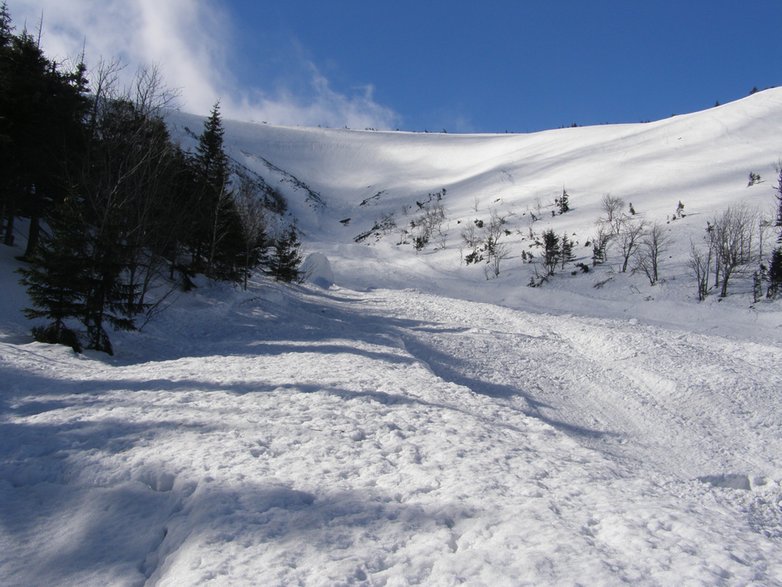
{"x":323,"y":106}
{"x":189,"y":42}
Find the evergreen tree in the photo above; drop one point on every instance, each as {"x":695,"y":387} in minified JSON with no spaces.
{"x":6,"y":35}
{"x":218,"y":230}
{"x":211,"y":160}
{"x":57,"y":277}
{"x":566,"y":253}
{"x":285,"y":260}
{"x":563,"y":202}
{"x":551,"y":251}
{"x":107,"y":292}
{"x":41,"y":117}
{"x":6,"y":28}
{"x":775,"y":274}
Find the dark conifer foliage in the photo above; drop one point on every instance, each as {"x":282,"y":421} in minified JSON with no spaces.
{"x":218,"y":234}
{"x":286,"y":257}
{"x":775,"y":274}
{"x":563,"y":202}
{"x":57,"y":278}
{"x":566,"y":251}
{"x":41,"y":112}
{"x":210,"y":158}
{"x":552,"y":251}
{"x":6,"y":37}
{"x":117,"y":202}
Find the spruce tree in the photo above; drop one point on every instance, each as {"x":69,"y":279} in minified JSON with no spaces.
{"x":551,"y":251}
{"x":6,"y":34}
{"x":211,"y":160}
{"x":57,"y":278}
{"x":43,"y":109}
{"x":775,"y":274}
{"x":563,"y":202}
{"x":285,"y":259}
{"x":217,"y":228}
{"x":566,"y":253}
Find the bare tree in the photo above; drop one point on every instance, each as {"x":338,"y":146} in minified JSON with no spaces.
{"x":612,"y":206}
{"x":150,"y":94}
{"x":252,"y":219}
{"x":487,"y":244}
{"x":600,"y":243}
{"x":732,"y":239}
{"x":499,"y":252}
{"x":428,"y":223}
{"x":496,"y":251}
{"x":700,"y":263}
{"x":129,"y":172}
{"x":653,"y":245}
{"x":470,"y":235}
{"x":629,"y":239}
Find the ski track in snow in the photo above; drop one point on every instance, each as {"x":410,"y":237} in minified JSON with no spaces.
{"x":387,"y":438}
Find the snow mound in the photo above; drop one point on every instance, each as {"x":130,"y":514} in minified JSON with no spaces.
{"x":317,"y":270}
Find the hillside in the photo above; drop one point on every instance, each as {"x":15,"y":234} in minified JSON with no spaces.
{"x":701,"y":159}
{"x":416,"y":422}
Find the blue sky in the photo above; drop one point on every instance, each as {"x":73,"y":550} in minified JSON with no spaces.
{"x":463,"y":66}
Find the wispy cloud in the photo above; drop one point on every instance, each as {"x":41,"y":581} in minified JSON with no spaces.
{"x":320,"y":106}
{"x":190,"y":43}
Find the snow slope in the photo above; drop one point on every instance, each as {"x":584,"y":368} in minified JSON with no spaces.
{"x":416,"y":423}
{"x":701,"y":159}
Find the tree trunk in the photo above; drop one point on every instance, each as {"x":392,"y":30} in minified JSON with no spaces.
{"x":33,"y":236}
{"x":9,"y":229}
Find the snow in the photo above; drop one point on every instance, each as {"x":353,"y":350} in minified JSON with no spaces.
{"x":317,"y":269}
{"x":418,"y":423}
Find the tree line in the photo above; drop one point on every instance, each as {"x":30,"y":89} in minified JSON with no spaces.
{"x":113,"y":204}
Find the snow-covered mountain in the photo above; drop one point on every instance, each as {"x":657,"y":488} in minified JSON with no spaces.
{"x":417,"y":422}
{"x":342,"y":183}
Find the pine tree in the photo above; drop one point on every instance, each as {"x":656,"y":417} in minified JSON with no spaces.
{"x":563,"y":202}
{"x":6,"y":28}
{"x":57,"y":277}
{"x":211,"y":160}
{"x":6,"y":34}
{"x":551,"y":251}
{"x":286,"y":257}
{"x":775,"y":274}
{"x":43,"y":108}
{"x":566,"y":254}
{"x":218,"y":230}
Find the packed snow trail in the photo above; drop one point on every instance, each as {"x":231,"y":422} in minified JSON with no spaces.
{"x":686,"y":403}
{"x":390,"y":437}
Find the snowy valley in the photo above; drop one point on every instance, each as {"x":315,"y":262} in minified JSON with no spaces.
{"x":403,"y":417}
